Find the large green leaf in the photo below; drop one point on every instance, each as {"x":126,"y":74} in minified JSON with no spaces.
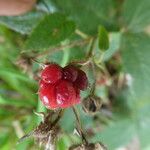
{"x":53,"y":29}
{"x":116,"y":135}
{"x":135,"y":54}
{"x":136,"y":14}
{"x":23,"y":24}
{"x":88,"y":14}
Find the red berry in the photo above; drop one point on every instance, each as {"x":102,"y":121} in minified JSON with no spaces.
{"x":81,"y":82}
{"x":42,"y":84}
{"x":70,"y":73}
{"x":65,"y":94}
{"x":47,"y":96}
{"x":77,"y":96}
{"x":52,"y":73}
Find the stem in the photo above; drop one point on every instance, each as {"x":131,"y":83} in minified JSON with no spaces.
{"x":103,"y":69}
{"x":89,"y":56}
{"x":66,"y":54}
{"x":70,"y":45}
{"x":58,"y":118}
{"x":82,"y":63}
{"x":79,"y":126}
{"x":80,"y":33}
{"x":92,"y":44}
{"x":94,"y":83}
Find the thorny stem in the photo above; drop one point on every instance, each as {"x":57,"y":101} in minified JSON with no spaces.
{"x":70,"y":45}
{"x":79,"y":126}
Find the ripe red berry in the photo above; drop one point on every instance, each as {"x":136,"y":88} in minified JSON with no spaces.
{"x":65,"y":94}
{"x":42,"y":84}
{"x":81,"y":82}
{"x":52,"y":73}
{"x":77,"y":96}
{"x":48,"y":96}
{"x":70,"y":73}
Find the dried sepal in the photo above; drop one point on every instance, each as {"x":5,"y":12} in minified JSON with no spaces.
{"x":91,"y":104}
{"x":46,"y":132}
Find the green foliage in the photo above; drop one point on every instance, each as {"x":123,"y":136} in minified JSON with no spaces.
{"x":53,"y":25}
{"x":56,"y":29}
{"x":136,"y":14}
{"x":23,"y":24}
{"x":135,"y":55}
{"x":114,"y":45}
{"x":88,"y":14}
{"x":103,"y":39}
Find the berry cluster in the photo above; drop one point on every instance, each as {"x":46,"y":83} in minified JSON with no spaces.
{"x":60,"y":87}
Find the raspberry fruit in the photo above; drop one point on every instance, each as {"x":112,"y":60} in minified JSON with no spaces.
{"x":43,"y":84}
{"x":47,"y":96}
{"x":77,"y":96}
{"x":65,"y":94}
{"x":81,"y":82}
{"x":52,"y":73}
{"x":70,"y":73}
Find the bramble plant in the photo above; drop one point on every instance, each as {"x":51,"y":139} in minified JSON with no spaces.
{"x":74,"y":74}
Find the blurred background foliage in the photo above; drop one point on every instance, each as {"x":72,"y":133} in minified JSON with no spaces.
{"x":124,"y":120}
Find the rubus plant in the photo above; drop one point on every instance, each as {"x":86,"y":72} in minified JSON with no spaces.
{"x":82,"y":67}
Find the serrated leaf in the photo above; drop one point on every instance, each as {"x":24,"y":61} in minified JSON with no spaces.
{"x":103,"y":39}
{"x":88,"y":14}
{"x":136,"y":14}
{"x":22,"y":24}
{"x":53,"y":29}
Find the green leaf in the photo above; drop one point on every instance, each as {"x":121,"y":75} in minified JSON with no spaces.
{"x":116,"y":135}
{"x":88,"y":14}
{"x":115,"y":39}
{"x":103,"y":39}
{"x":114,"y":46}
{"x":68,"y":121}
{"x":22,"y":24}
{"x":63,"y":143}
{"x":143,"y":126}
{"x":15,"y":102}
{"x":136,"y":14}
{"x":53,"y":29}
{"x":19,"y":82}
{"x":135,"y":54}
